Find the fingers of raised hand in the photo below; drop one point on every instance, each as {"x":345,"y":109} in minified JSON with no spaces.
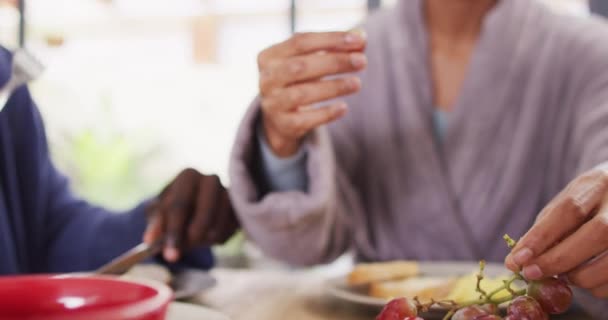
{"x":281,"y":73}
{"x":305,"y":43}
{"x":298,"y":124}
{"x":309,"y":93}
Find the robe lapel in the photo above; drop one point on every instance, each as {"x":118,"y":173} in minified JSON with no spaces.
{"x":414,"y":113}
{"x":478,"y":137}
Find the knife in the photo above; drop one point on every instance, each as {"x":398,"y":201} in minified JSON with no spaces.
{"x":127,"y":260}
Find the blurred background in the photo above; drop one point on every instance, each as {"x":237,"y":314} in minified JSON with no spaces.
{"x":136,"y":90}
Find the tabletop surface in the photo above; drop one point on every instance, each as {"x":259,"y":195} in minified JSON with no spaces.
{"x":282,"y":295}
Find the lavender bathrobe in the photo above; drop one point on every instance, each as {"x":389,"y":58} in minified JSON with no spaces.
{"x":532,"y":115}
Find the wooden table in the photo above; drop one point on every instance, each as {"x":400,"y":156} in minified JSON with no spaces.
{"x":286,"y":295}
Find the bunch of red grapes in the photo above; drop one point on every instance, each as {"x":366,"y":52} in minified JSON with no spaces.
{"x":542,"y":298}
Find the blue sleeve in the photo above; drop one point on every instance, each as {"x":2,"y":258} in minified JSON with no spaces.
{"x":77,"y":236}
{"x":282,"y":174}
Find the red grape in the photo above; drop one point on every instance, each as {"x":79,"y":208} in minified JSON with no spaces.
{"x":412,"y":318}
{"x":490,"y":308}
{"x":469,"y":313}
{"x":526,"y":308}
{"x":552,"y":294}
{"x":398,"y":309}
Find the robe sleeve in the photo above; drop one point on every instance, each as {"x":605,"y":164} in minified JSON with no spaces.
{"x":281,"y":174}
{"x":298,"y":227}
{"x":77,"y":236}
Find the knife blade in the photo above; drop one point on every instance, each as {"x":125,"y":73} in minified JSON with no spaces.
{"x":127,"y":260}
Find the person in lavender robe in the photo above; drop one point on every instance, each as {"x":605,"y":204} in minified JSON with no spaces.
{"x":442,"y":127}
{"x":45,"y":228}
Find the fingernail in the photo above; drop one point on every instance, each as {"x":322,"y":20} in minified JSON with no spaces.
{"x":355,"y":37}
{"x":341,"y":107}
{"x":147,"y":237}
{"x":353,"y":83}
{"x":522,"y":256}
{"x":510,"y":264}
{"x":358,"y":60}
{"x":171,"y":254}
{"x":532,"y":272}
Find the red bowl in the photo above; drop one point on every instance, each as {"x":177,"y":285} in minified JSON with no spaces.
{"x":81,"y":298}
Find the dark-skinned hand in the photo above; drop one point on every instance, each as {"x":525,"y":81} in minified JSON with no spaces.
{"x":193,"y":210}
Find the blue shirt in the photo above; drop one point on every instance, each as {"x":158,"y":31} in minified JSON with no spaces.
{"x":44,"y":228}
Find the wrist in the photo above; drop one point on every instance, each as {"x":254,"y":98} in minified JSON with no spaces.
{"x":280,"y":145}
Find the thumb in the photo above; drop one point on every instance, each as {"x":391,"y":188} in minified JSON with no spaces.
{"x":153,"y":230}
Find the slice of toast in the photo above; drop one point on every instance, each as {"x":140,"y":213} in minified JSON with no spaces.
{"x":384,"y":271}
{"x":425,"y":288}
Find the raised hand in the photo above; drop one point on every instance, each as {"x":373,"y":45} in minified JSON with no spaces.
{"x":293,"y":78}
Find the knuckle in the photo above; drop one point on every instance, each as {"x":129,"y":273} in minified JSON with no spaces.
{"x":189,"y":172}
{"x":300,"y":41}
{"x":600,"y":179}
{"x":296,"y":67}
{"x":533,"y":240}
{"x":601,"y":225}
{"x":576,"y":207}
{"x":572,"y":185}
{"x":341,"y":62}
{"x":296,"y":96}
{"x":587,"y":176}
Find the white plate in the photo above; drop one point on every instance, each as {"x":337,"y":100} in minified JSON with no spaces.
{"x":339,"y":288}
{"x":186,"y":284}
{"x":183,"y":311}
